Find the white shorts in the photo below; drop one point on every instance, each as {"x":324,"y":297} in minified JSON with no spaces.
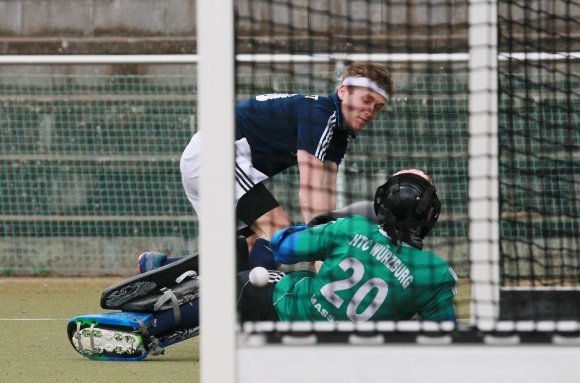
{"x":246,"y":175}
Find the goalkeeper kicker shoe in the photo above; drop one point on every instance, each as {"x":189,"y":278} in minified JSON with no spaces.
{"x":114,"y":336}
{"x":149,"y":261}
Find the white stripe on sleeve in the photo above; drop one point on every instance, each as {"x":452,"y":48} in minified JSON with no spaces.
{"x":326,"y":137}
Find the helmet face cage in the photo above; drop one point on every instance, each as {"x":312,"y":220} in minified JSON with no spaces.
{"x":412,"y":201}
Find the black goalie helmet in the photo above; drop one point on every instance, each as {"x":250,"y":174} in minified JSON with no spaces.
{"x":407,"y":206}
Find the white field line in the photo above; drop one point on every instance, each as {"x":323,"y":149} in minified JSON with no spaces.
{"x":30,"y":319}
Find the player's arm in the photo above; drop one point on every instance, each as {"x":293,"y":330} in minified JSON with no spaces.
{"x":317,"y":185}
{"x":440,"y":307}
{"x":362,"y":208}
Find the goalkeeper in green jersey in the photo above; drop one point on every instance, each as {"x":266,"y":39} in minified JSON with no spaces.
{"x":373,"y":268}
{"x":369,"y":271}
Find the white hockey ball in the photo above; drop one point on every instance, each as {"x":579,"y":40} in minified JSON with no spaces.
{"x":259,"y":276}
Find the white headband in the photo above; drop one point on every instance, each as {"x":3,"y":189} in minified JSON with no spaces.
{"x":367,"y":83}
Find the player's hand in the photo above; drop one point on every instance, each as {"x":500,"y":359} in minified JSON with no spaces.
{"x":322,"y":219}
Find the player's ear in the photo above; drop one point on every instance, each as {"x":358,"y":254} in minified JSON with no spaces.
{"x":342,"y":90}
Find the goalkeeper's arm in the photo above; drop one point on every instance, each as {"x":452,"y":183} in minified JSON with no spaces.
{"x":440,"y":306}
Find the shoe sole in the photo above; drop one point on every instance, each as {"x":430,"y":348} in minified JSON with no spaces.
{"x":102,"y":342}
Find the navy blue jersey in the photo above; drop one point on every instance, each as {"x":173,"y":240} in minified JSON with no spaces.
{"x":277,"y":125}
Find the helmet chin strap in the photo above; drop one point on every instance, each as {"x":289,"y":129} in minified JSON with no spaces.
{"x":415,"y":239}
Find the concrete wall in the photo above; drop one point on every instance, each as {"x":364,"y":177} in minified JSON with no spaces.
{"x":97,"y":17}
{"x":48,"y":27}
{"x":97,"y":26}
{"x":168,"y":26}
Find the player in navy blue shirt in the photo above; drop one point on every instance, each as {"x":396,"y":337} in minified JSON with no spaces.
{"x":276,"y":126}
{"x":276,"y":131}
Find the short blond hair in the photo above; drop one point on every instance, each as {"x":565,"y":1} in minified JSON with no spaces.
{"x":378,"y":73}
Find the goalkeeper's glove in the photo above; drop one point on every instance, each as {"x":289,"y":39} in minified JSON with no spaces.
{"x":284,"y":244}
{"x":322,"y":219}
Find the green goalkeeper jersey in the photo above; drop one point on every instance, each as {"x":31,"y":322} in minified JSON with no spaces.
{"x":363,"y":277}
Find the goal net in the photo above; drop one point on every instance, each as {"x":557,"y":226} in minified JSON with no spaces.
{"x":539,"y":86}
{"x":517,"y":60}
{"x":486,"y":100}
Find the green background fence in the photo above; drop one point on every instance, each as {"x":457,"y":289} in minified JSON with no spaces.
{"x":90,"y":166}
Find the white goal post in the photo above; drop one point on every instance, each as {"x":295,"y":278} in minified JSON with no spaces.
{"x":483,"y":161}
{"x":216,"y":101}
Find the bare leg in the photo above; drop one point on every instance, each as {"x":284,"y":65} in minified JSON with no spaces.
{"x":269,"y":223}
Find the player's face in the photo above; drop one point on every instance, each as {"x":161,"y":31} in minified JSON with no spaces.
{"x":359,"y":106}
